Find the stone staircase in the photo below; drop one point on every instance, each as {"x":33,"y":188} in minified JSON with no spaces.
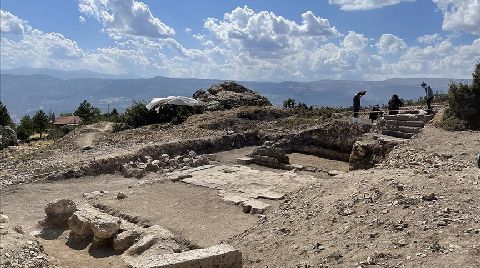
{"x":373,"y":147}
{"x":404,"y":126}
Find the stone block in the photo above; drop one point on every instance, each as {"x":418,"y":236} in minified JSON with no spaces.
{"x":219,"y":256}
{"x":245,"y":160}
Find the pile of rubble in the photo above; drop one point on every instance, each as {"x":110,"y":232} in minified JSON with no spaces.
{"x":229,"y":95}
{"x":270,"y":154}
{"x":18,"y":249}
{"x":165,"y":163}
{"x":151,"y":246}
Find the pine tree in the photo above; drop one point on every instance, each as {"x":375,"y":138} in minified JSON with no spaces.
{"x":87,"y":112}
{"x":40,"y":122}
{"x":5,"y":119}
{"x":25,"y":128}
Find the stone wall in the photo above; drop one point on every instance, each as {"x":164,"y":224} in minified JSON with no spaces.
{"x":333,"y":140}
{"x":203,"y":145}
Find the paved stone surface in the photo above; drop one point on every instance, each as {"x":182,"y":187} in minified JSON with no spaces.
{"x":248,"y":183}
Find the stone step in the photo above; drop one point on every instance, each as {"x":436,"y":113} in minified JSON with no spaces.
{"x":388,"y":139}
{"x":414,"y":130}
{"x":398,"y":134}
{"x":409,"y":117}
{"x":405,"y":123}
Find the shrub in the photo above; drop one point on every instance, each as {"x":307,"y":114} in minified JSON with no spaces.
{"x":57,"y":133}
{"x":463,"y":105}
{"x":138,"y":115}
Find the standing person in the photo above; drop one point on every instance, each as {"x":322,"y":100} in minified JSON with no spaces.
{"x":356,"y":104}
{"x":394,"y":105}
{"x":429,"y":95}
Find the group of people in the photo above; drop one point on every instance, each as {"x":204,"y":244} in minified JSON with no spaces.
{"x":394,"y":104}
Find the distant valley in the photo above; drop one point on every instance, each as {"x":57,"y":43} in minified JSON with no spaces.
{"x":26,"y":90}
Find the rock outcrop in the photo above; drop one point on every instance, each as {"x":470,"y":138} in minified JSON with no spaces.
{"x":371,"y":149}
{"x":229,"y":95}
{"x":8,"y":137}
{"x":59,"y":211}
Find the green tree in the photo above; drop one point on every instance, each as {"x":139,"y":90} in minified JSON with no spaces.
{"x":463,"y":104}
{"x":114,"y":112}
{"x":87,"y":112}
{"x":40,"y":122}
{"x":5,"y":119}
{"x":25,"y":128}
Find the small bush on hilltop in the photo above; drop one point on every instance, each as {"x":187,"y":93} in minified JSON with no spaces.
{"x":138,"y":115}
{"x":57,"y":133}
{"x":463,"y":110}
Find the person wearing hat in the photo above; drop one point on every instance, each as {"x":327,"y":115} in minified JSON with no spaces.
{"x":356,"y":103}
{"x":429,"y":95}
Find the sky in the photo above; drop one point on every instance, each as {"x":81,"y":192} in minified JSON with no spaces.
{"x":268,"y":40}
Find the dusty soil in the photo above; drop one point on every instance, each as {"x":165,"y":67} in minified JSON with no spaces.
{"x":420,"y":207}
{"x":383,"y":217}
{"x":176,"y":206}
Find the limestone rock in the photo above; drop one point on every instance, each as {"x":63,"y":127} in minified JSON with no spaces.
{"x":8,"y":137}
{"x":87,"y":221}
{"x":220,"y":256}
{"x":59,"y":211}
{"x":229,"y":95}
{"x":125,"y":240}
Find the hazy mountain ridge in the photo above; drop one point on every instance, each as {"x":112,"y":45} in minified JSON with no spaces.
{"x":24,"y":94}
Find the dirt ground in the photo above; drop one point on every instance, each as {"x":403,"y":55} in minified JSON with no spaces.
{"x":420,"y":207}
{"x":194,"y":213}
{"x":396,"y":215}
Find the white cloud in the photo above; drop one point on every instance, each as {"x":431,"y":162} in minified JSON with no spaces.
{"x":227,"y":52}
{"x":122,"y":18}
{"x":81,"y":19}
{"x":267,"y":35}
{"x":188,"y":30}
{"x":355,"y":41}
{"x":460,"y":15}
{"x":11,"y":24}
{"x":351,"y":5}
{"x":390,"y":44}
{"x":429,"y":39}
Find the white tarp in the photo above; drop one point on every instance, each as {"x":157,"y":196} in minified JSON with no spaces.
{"x":173,"y":100}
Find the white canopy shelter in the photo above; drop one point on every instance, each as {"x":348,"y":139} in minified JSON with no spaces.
{"x":172,"y":100}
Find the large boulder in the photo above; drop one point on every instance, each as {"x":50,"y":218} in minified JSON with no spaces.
{"x":229,"y":95}
{"x":86,"y":222}
{"x":59,"y":211}
{"x":8,"y":137}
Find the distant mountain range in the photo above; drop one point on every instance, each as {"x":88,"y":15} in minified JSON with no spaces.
{"x":26,"y":90}
{"x":65,"y":74}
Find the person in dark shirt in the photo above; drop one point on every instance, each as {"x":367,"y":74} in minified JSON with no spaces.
{"x":375,"y":113}
{"x":356,"y":103}
{"x":394,"y":105}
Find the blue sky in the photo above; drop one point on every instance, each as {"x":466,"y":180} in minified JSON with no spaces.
{"x":274,"y":40}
